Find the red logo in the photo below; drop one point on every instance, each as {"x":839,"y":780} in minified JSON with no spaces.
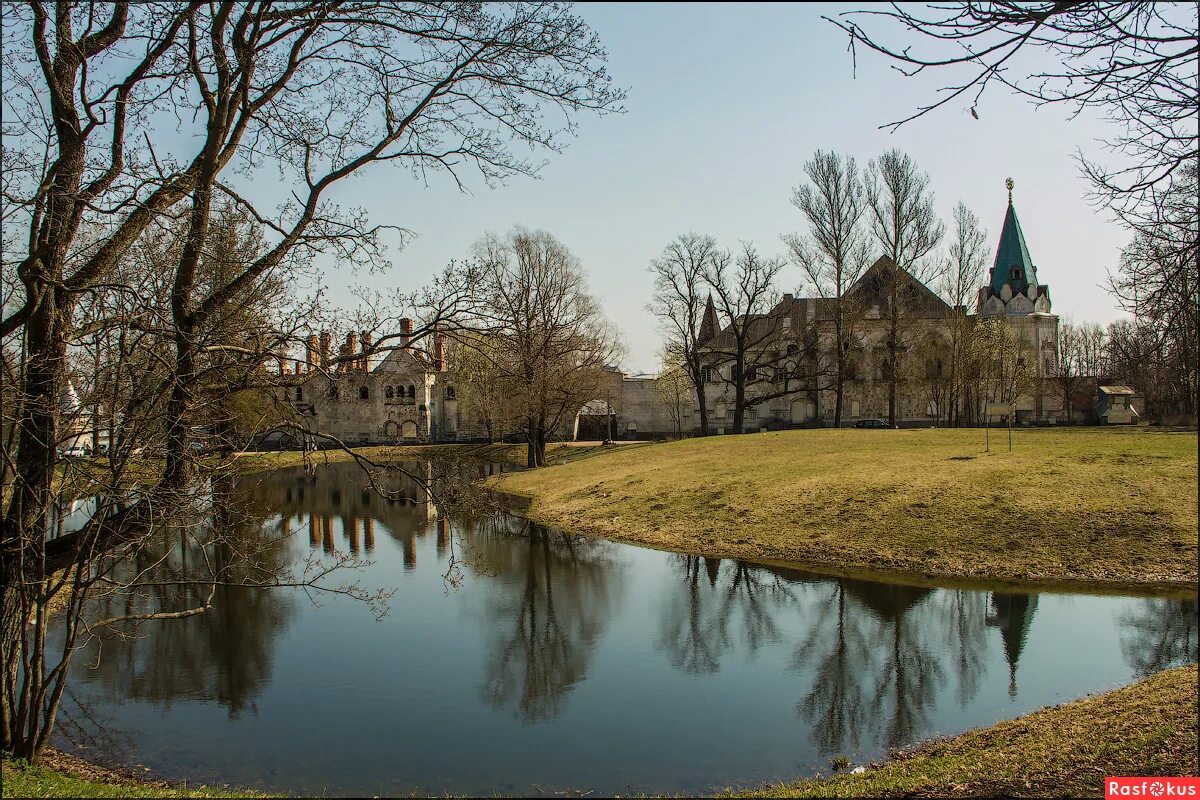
{"x":1153,"y":788}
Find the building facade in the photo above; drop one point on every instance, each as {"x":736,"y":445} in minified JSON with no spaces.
{"x":409,"y":395}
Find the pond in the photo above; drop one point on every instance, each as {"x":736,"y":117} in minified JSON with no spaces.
{"x":516,"y":659}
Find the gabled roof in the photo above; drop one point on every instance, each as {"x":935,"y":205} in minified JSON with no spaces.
{"x":1012,"y":253}
{"x":404,"y":360}
{"x":872,"y":288}
{"x":1117,"y":390}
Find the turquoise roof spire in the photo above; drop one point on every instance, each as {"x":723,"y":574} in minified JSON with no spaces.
{"x":1013,"y":264}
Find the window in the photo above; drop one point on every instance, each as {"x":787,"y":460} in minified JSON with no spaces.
{"x":706,"y":375}
{"x":792,"y":349}
{"x":364,"y":393}
{"x":299,"y":393}
{"x":1016,"y":273}
{"x":412,"y":391}
{"x":449,"y":392}
{"x":388,"y":393}
{"x":333,"y":391}
{"x":752,"y":374}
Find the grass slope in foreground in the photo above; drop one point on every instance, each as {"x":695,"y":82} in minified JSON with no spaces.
{"x":1096,"y":506}
{"x":1148,"y":728}
{"x":61,"y":775}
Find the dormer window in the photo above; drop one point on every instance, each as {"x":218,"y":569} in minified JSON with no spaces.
{"x":1016,"y":273}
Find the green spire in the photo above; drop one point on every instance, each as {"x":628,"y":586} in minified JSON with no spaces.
{"x":1012,"y":254}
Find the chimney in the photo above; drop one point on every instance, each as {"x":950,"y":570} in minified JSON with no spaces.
{"x":326,"y":346}
{"x":364,"y":363}
{"x":297,"y":367}
{"x":343,"y":365}
{"x":282,"y":365}
{"x":405,"y":333}
{"x":311,"y":357}
{"x":439,"y":353}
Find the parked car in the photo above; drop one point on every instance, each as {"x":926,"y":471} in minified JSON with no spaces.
{"x":870,"y":423}
{"x":76,"y":451}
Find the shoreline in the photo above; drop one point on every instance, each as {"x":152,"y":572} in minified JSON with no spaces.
{"x":908,"y":509}
{"x":1147,"y":727}
{"x":1174,"y":590}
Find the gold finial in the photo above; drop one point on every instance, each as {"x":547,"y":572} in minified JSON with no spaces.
{"x":1009,"y":183}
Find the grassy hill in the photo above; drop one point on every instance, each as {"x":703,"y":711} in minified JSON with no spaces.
{"x":1091,"y":507}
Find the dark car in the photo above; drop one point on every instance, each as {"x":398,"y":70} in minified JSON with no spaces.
{"x":870,"y":423}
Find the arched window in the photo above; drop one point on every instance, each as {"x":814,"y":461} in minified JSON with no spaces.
{"x":364,"y":393}
{"x":299,"y":393}
{"x":285,"y":393}
{"x":387,"y":392}
{"x":412,"y":390}
{"x":449,"y":392}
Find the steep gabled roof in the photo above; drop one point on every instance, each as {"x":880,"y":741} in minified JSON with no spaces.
{"x":708,"y":323}
{"x":1012,"y":254}
{"x":872,"y":288}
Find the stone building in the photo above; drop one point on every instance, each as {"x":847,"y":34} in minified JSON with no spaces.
{"x":800,"y":335}
{"x":409,"y":396}
{"x":406,"y":396}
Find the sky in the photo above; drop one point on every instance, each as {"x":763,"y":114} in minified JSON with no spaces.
{"x":725,"y":104}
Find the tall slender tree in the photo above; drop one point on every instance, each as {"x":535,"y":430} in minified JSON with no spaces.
{"x":833,"y":253}
{"x":679,"y":303}
{"x":906,"y":227}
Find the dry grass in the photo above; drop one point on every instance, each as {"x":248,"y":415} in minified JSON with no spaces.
{"x":1091,"y":507}
{"x":61,"y":775}
{"x":1148,"y":728}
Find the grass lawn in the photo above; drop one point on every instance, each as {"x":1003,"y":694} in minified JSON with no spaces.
{"x":1088,"y":507}
{"x":65,"y":776}
{"x":557,"y":453}
{"x":1148,"y":728}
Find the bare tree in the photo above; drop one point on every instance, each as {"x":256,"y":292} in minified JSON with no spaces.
{"x":1133,"y":62}
{"x":552,"y":343}
{"x":1159,"y":283}
{"x":963,"y":275}
{"x":675,"y":389}
{"x":90,"y":170}
{"x":752,"y":343}
{"x":906,"y":227}
{"x":679,"y":304}
{"x":1067,"y":373}
{"x":833,"y":254}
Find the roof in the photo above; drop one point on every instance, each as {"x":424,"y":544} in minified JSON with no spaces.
{"x":1012,"y":253}
{"x":1117,"y":390}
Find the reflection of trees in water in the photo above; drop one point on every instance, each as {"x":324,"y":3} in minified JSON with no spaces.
{"x":224,"y":654}
{"x":556,"y":596}
{"x":838,"y":650}
{"x":879,"y":654}
{"x":699,"y":624}
{"x":1159,"y":633}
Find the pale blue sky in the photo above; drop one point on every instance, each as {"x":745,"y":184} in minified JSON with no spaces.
{"x":725,"y":104}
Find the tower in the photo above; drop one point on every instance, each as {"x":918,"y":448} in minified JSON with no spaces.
{"x":1013,"y":287}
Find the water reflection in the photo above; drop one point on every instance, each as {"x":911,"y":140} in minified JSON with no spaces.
{"x":555,"y":596}
{"x":550,"y":648}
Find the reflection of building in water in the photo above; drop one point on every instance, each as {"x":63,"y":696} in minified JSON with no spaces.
{"x":1012,"y":613}
{"x":337,"y":492}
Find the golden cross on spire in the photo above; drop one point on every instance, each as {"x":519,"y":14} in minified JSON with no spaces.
{"x":1009,"y":183}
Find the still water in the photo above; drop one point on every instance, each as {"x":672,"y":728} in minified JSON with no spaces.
{"x":520,"y":660}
